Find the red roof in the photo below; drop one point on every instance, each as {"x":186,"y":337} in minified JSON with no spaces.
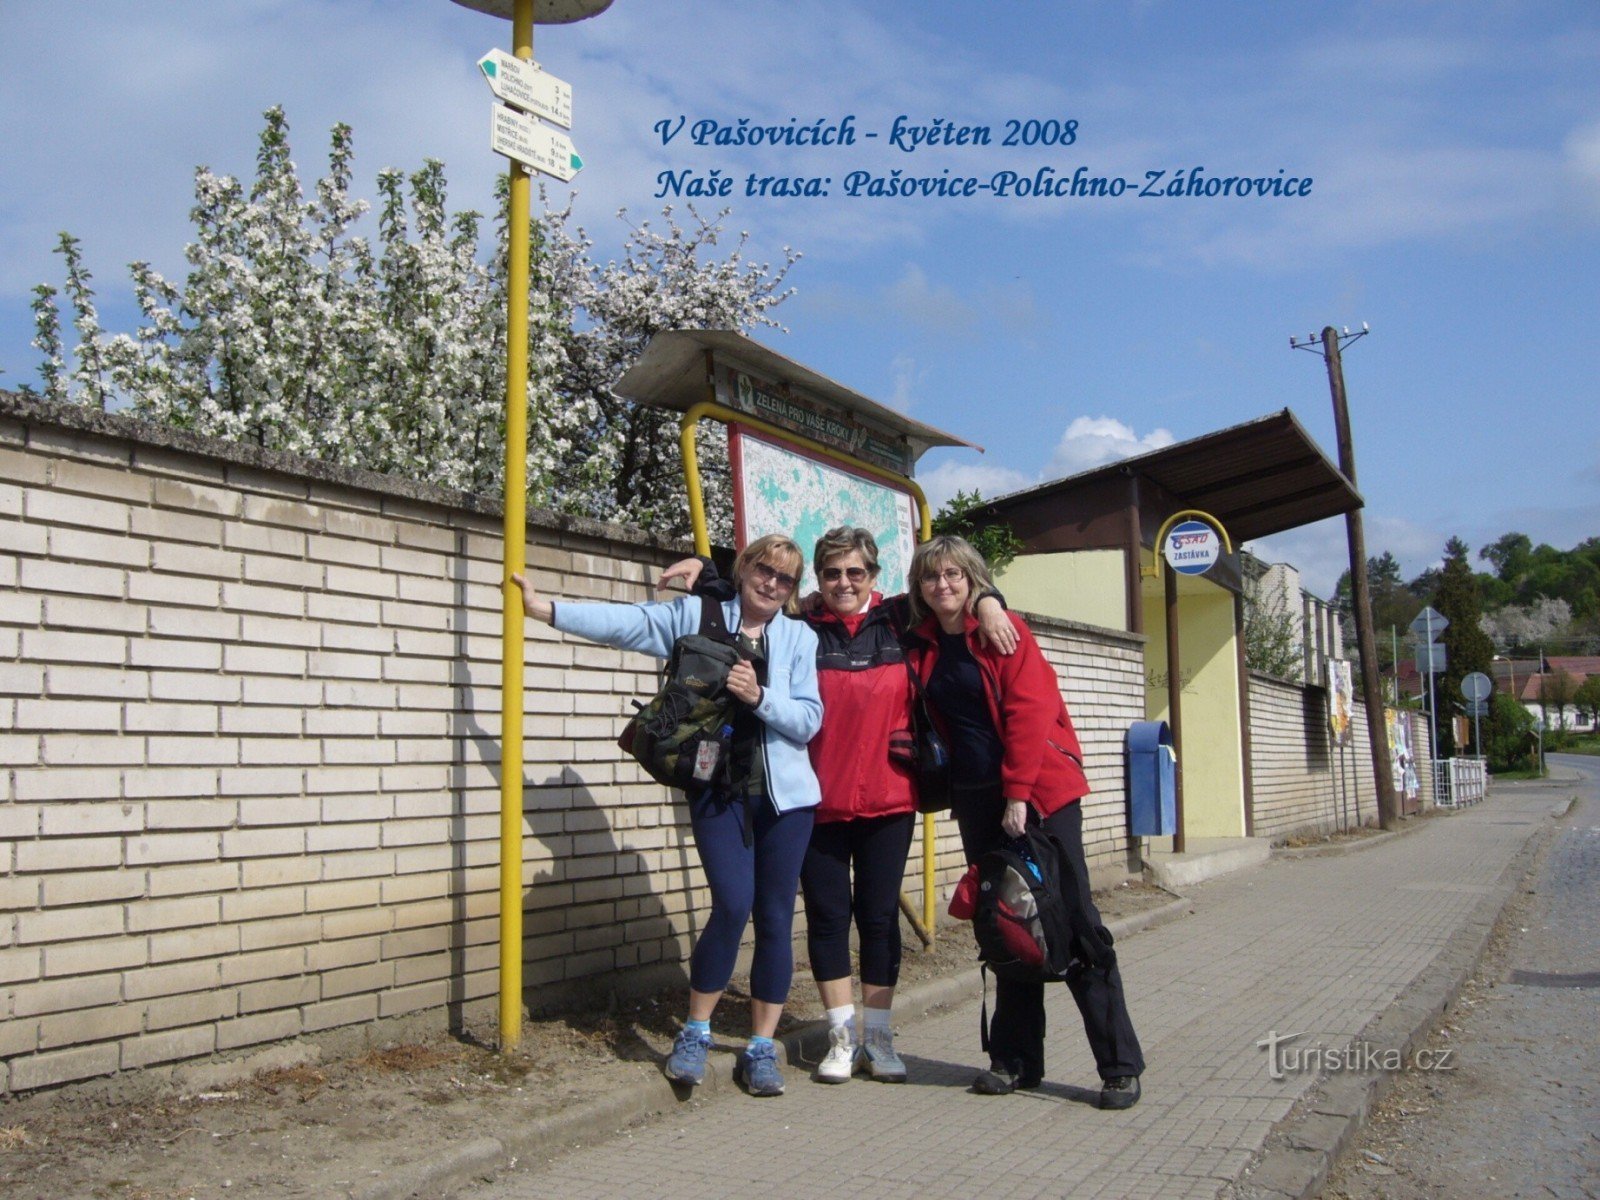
{"x":1533,"y":690}
{"x":1574,"y":664}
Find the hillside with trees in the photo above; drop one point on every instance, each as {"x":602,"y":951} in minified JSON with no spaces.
{"x":1534,"y":602}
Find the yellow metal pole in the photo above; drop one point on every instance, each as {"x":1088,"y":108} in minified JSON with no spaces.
{"x":516,"y":532}
{"x":691,"y":477}
{"x":929,"y":920}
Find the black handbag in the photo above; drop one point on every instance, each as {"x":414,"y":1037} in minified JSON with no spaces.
{"x":923,"y":751}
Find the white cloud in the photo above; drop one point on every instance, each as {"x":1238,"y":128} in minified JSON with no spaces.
{"x":1091,"y":442}
{"x":1014,"y":306}
{"x":948,"y":478}
{"x":932,"y":307}
{"x":1088,"y":442}
{"x":1581,"y":152}
{"x":114,"y":141}
{"x":1321,"y":551}
{"x":906,"y":378}
{"x":925,"y":309}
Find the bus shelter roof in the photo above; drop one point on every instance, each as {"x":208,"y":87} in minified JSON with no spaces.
{"x":1258,"y":478}
{"x":673,"y":373}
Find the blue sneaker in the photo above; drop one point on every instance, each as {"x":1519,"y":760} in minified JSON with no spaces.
{"x":687,"y":1062}
{"x":757,"y":1069}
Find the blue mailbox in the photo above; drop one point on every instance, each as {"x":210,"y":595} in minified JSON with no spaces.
{"x":1152,"y":780}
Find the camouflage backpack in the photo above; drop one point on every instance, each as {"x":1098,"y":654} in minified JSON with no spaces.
{"x":684,"y":736}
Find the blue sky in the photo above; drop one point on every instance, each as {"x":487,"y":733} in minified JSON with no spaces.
{"x":1453,"y":148}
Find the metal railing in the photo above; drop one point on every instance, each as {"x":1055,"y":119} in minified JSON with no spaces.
{"x":1458,"y":782}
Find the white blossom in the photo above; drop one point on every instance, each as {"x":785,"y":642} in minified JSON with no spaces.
{"x":294,"y":332}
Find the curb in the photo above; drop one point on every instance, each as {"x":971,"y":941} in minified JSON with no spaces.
{"x":454,"y":1165}
{"x":1301,"y":1151}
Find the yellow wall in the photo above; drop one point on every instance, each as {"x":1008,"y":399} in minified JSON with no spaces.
{"x":1211,"y":726}
{"x":1211,"y":757}
{"x":1074,"y":585}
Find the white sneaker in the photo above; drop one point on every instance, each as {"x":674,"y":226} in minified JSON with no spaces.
{"x":837,"y":1063}
{"x":878,"y":1058}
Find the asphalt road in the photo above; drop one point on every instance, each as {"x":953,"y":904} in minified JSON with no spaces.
{"x":1516,"y":1112}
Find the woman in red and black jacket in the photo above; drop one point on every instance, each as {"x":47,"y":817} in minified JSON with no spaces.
{"x":1014,"y":760}
{"x":856,"y":861}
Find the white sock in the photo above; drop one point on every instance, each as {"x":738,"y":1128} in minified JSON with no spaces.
{"x":843,"y":1016}
{"x":876,"y":1018}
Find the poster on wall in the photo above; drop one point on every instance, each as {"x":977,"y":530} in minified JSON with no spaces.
{"x":1341,"y":695}
{"x":780,"y":487}
{"x":1402,"y":756}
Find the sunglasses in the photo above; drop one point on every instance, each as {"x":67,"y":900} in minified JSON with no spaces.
{"x":853,"y":574}
{"x":772,"y":575}
{"x":950,"y":575}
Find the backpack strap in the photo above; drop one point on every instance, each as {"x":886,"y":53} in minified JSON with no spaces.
{"x":983,"y":1012}
{"x":712,"y":623}
{"x":1092,"y":942}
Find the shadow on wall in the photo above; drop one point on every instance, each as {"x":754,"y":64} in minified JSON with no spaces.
{"x":595,"y":930}
{"x":1317,"y":737}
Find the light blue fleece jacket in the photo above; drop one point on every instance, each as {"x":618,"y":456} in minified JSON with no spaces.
{"x":790,"y":708}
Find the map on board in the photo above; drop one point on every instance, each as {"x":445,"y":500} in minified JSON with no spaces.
{"x":781,"y":489}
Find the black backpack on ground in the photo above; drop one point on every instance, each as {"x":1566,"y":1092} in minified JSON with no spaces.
{"x":1023,"y":902}
{"x":684,"y":736}
{"x":1026,"y":916}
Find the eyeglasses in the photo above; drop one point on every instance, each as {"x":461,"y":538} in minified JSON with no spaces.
{"x":950,"y":575}
{"x":853,"y":574}
{"x":772,"y":575}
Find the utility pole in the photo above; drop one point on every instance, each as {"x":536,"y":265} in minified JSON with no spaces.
{"x":1366,"y":639}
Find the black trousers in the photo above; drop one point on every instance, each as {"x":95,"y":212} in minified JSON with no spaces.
{"x":876,"y":847}
{"x":1016,"y":1033}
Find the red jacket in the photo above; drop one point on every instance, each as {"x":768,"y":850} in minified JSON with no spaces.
{"x":866,"y":696}
{"x":1042,"y":761}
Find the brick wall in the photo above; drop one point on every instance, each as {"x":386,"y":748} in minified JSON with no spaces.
{"x":1303,"y":784}
{"x":1102,"y":677}
{"x":249,"y":723}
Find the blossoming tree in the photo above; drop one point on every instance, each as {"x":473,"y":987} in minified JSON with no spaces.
{"x":294,"y":331}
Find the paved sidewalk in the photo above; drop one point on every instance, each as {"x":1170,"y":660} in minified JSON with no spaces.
{"x":1367,"y":944}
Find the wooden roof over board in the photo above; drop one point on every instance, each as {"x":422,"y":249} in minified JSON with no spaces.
{"x":671,"y":373}
{"x":1259,"y":478}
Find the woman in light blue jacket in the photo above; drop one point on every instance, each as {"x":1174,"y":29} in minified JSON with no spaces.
{"x":752,"y":835}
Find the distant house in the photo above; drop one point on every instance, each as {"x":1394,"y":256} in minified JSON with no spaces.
{"x":1551,"y":697}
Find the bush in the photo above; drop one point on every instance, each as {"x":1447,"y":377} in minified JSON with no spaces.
{"x":1510,"y":737}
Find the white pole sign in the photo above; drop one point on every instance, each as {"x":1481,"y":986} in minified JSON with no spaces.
{"x":523,"y":85}
{"x":535,"y":146}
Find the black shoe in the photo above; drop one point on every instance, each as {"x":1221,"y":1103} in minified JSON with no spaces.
{"x":997,"y":1081}
{"x":1121,"y":1091}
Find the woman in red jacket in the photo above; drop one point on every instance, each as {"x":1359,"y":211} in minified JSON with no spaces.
{"x":1015,"y":759}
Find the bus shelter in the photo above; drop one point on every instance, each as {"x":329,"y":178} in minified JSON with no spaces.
{"x":1094,"y":549}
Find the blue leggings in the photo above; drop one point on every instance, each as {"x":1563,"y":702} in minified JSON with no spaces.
{"x":760,"y":878}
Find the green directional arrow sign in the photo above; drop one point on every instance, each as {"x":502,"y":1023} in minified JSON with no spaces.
{"x":525,"y":87}
{"x":535,"y":146}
